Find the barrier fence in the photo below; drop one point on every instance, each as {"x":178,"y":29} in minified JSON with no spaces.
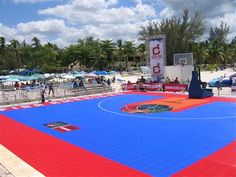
{"x":169,"y":87}
{"x":22,"y":95}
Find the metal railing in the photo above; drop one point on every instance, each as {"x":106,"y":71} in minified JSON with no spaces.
{"x":29,"y":95}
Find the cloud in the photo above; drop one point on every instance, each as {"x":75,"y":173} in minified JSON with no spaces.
{"x":106,"y":19}
{"x":7,"y":32}
{"x":229,"y":19}
{"x":208,"y":7}
{"x":29,"y":1}
{"x":51,"y":26}
{"x":44,"y":30}
{"x":88,"y":12}
{"x":166,"y":13}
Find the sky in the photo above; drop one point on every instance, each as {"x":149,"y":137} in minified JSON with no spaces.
{"x":63,"y":22}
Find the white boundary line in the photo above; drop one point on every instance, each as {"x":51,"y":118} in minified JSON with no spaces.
{"x":61,"y":101}
{"x":158,"y":118}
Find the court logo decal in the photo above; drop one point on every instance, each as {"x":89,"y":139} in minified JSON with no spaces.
{"x":146,"y":108}
{"x":61,"y":126}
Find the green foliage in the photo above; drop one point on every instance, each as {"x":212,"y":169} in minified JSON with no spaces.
{"x":212,"y":67}
{"x":219,"y":34}
{"x":180,"y":32}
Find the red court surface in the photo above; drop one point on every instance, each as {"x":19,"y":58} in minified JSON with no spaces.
{"x":220,"y":164}
{"x":55,"y":157}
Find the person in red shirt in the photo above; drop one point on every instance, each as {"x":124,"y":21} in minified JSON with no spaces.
{"x":16,"y":85}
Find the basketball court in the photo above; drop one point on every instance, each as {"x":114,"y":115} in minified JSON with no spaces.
{"x":125,"y":134}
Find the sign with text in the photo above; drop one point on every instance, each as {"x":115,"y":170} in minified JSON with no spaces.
{"x":157,"y":57}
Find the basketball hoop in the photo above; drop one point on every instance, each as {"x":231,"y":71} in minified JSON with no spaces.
{"x":183,"y":59}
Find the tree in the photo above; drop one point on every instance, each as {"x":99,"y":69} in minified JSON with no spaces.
{"x":180,"y":32}
{"x":216,"y":53}
{"x":119,"y":52}
{"x":129,"y":51}
{"x":36,"y":56}
{"x":49,"y":53}
{"x":108,"y":48}
{"x":2,"y":51}
{"x":15,"y":46}
{"x":141,"y":52}
{"x":219,"y":34}
{"x":219,"y":52}
{"x":201,"y":52}
{"x":36,"y":43}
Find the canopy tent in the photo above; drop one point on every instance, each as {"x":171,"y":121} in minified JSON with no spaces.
{"x":90,"y":75}
{"x":12,"y":80}
{"x":101,"y":73}
{"x":68,"y":76}
{"x":78,"y":75}
{"x":113,"y":72}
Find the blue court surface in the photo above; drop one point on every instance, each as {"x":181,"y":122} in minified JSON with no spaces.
{"x":157,"y":144}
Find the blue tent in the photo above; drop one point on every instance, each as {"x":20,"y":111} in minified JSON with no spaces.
{"x":101,"y":73}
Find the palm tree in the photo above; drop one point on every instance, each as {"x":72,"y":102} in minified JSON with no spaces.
{"x":36,"y":42}
{"x":180,"y":32}
{"x":119,"y":52}
{"x":216,"y":53}
{"x":108,"y":48}
{"x":219,"y":34}
{"x":129,"y":51}
{"x":141,"y":51}
{"x":15,"y":49}
{"x":2,"y":51}
{"x":201,"y":52}
{"x":36,"y":45}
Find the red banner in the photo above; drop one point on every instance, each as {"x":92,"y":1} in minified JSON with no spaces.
{"x":171,"y":87}
{"x":146,"y":86}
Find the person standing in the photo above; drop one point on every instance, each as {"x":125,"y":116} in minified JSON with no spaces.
{"x":42,"y":93}
{"x":221,"y":82}
{"x":142,"y":80}
{"x":81,"y":85}
{"x":51,"y":89}
{"x":108,"y":82}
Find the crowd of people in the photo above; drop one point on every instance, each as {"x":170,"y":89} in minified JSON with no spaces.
{"x":47,"y":88}
{"x":140,"y":82}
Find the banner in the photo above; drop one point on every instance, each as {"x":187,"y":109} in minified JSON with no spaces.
{"x":146,"y":86}
{"x":171,"y":87}
{"x":157,"y":57}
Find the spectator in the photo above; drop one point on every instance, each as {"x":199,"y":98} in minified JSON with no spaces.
{"x":163,"y":84}
{"x":167,"y":79}
{"x":142,"y":80}
{"x":221,"y":82}
{"x":42,"y":93}
{"x":114,"y":79}
{"x":141,"y":86}
{"x":51,"y":89}
{"x":234,"y":81}
{"x":81,"y":85}
{"x":16,"y":85}
{"x":108,"y":82}
{"x":176,"y":80}
{"x":75,"y":84}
